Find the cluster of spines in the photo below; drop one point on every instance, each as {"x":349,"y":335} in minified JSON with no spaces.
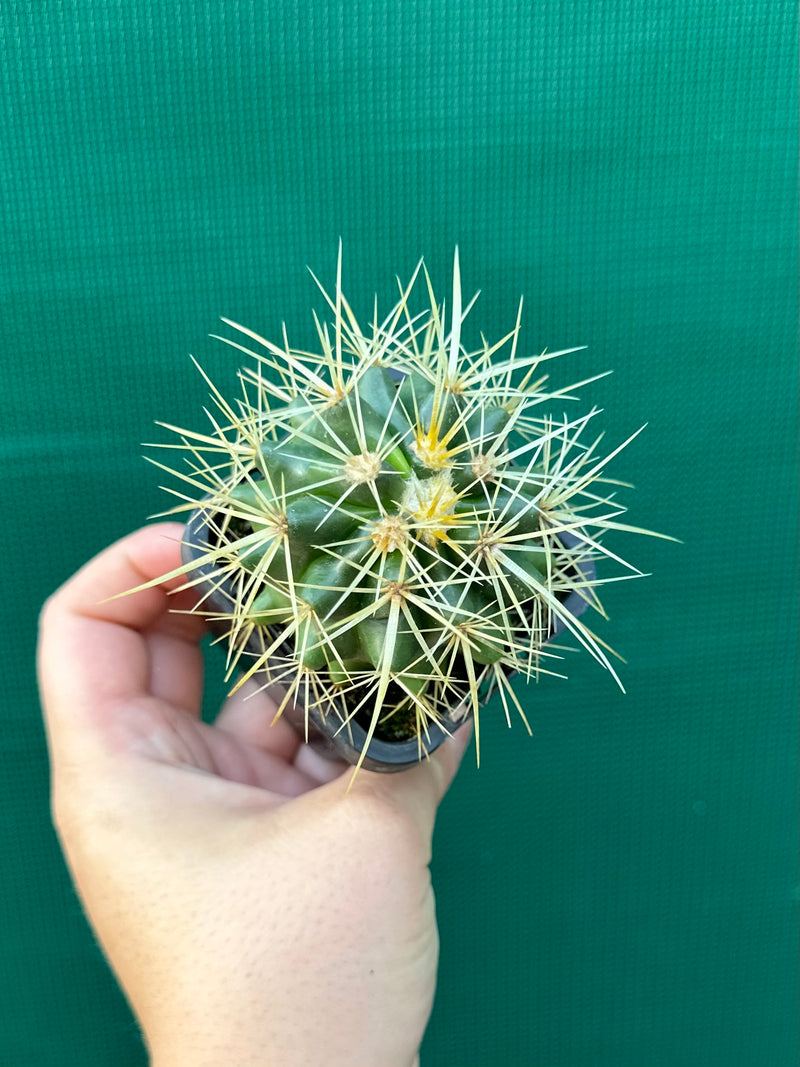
{"x":446,"y":535}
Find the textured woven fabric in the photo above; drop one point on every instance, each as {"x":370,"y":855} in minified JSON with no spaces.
{"x":621,"y":889}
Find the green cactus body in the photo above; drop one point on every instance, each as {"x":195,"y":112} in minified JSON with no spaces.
{"x":398,"y":518}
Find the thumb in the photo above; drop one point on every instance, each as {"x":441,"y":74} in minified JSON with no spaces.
{"x":420,"y":790}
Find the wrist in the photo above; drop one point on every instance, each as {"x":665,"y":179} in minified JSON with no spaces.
{"x":237,"y":1053}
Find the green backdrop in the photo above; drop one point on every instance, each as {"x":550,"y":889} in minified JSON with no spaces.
{"x":620,"y":890}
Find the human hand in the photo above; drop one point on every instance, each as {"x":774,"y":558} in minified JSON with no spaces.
{"x":254,"y":911}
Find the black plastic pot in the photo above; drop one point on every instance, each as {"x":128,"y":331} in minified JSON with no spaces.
{"x":327,"y":733}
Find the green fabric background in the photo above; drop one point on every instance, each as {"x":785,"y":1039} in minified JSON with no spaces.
{"x":621,"y":890}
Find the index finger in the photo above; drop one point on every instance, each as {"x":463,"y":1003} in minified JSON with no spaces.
{"x":95,"y":652}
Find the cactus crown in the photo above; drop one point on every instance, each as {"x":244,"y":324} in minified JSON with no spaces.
{"x":399,"y":520}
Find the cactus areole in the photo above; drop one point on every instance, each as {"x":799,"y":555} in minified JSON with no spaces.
{"x":391,"y":529}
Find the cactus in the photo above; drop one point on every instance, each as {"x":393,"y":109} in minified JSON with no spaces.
{"x":401,"y":520}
